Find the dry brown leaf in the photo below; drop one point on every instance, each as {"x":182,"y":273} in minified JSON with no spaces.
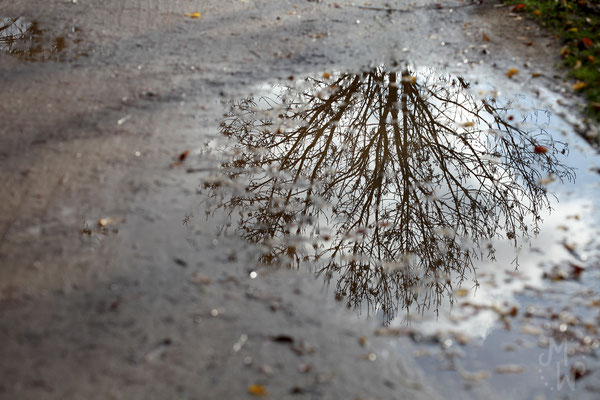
{"x":512,"y":72}
{"x":183,"y":155}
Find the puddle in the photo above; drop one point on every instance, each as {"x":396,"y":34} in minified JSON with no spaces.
{"x":27,"y":40}
{"x":451,"y":213}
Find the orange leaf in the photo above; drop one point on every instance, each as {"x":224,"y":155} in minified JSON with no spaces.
{"x":257,"y":390}
{"x":485,"y":37}
{"x":519,"y":7}
{"x":512,"y":72}
{"x":540,"y":149}
{"x":587,"y":43}
{"x":326,"y":75}
{"x":579,"y":85}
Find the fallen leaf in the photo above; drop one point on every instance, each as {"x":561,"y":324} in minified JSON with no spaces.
{"x":518,"y":7}
{"x":326,"y":75}
{"x":576,"y":270}
{"x":199,"y":279}
{"x":587,"y":43}
{"x":579,"y":85}
{"x":536,"y":74}
{"x":183,"y":155}
{"x":363,"y":341}
{"x":257,"y":390}
{"x":579,"y":370}
{"x":537,"y":12}
{"x":540,"y":149}
{"x":461,"y":292}
{"x":512,"y":72}
{"x":509,"y":369}
{"x":193,"y":15}
{"x":485,"y":37}
{"x":468,"y":124}
{"x":283,"y":339}
{"x":474,"y":376}
{"x":179,"y":261}
{"x":531,"y":330}
{"x":574,"y":29}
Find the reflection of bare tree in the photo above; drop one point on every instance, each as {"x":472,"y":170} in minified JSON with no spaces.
{"x":26,"y":39}
{"x":389,"y":182}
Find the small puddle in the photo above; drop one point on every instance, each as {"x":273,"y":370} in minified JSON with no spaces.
{"x":27,"y":40}
{"x":428,"y":204}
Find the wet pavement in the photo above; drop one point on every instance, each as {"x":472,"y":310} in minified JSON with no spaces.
{"x":325,"y":201}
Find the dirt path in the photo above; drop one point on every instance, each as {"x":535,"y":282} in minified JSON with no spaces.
{"x":140,"y":308}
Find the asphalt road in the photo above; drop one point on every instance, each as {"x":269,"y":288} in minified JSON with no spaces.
{"x":145,"y":307}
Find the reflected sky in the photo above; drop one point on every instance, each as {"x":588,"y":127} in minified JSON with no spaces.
{"x":391,"y":184}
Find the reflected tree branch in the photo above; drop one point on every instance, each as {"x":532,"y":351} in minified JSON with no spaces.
{"x":391,"y":183}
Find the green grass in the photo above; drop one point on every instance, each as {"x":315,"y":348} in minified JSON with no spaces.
{"x":577,"y":25}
